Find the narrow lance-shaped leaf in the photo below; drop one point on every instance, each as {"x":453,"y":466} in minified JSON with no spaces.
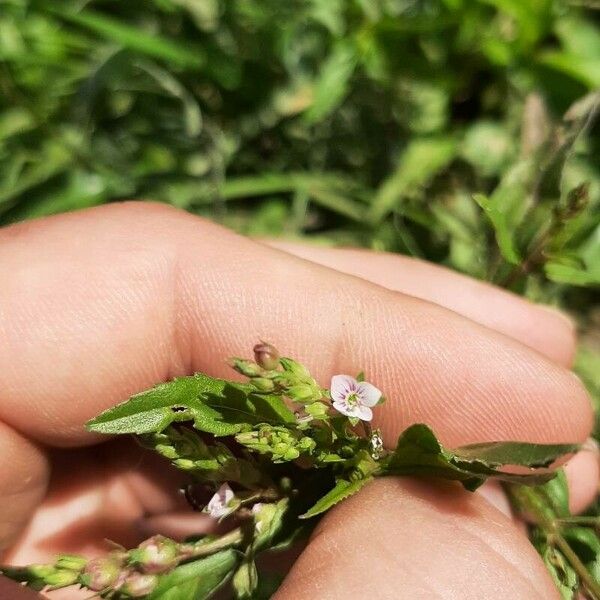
{"x":215,"y":405}
{"x":342,"y":490}
{"x":419,"y":452}
{"x":515,"y":453}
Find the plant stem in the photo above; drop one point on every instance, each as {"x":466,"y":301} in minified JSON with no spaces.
{"x":202,"y":548}
{"x":592,"y":521}
{"x":528,"y":501}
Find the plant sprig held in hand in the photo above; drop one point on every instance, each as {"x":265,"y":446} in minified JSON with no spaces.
{"x":265,"y":457}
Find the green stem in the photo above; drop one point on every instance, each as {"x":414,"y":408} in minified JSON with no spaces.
{"x":529,"y":501}
{"x":591,"y":521}
{"x":202,"y":548}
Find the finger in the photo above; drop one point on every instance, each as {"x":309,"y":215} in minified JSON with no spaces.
{"x":14,"y":591}
{"x":542,"y":328}
{"x":546,"y":330}
{"x":413,"y":539}
{"x":23,"y":480}
{"x":583,"y":474}
{"x":100,"y":304}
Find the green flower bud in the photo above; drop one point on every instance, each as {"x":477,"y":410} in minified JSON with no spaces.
{"x":301,"y":393}
{"x":62,"y":578}
{"x":185,"y":464}
{"x":139,"y":584}
{"x":317,"y":410}
{"x":296,"y":369}
{"x":155,"y":555}
{"x":283,"y":444}
{"x":166,"y":451}
{"x":266,"y":356}
{"x":72,"y":562}
{"x":290,"y":454}
{"x":246,"y":367}
{"x":41,"y":571}
{"x":101,"y":573}
{"x":263,"y":384}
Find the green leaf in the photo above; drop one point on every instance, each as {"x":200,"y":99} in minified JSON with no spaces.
{"x":196,"y":580}
{"x":586,"y":544}
{"x":215,"y":405}
{"x":571,"y":275}
{"x":332,"y":83}
{"x":508,"y":205}
{"x":272,"y":519}
{"x":342,"y":490}
{"x":556,"y":494}
{"x":564,"y":576}
{"x":516,"y":453}
{"x":422,"y":160}
{"x":245,"y":580}
{"x":134,"y":38}
{"x":500,"y":222}
{"x":153,"y":409}
{"x":419,"y":452}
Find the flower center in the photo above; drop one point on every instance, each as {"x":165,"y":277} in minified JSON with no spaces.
{"x":352,"y":399}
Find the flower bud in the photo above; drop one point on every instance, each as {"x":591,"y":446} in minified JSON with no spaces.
{"x":72,"y":562}
{"x":156,"y":555}
{"x":246,"y":367}
{"x":296,"y":369}
{"x":266,"y":356}
{"x":101,"y":573}
{"x":185,"y":464}
{"x":301,"y":392}
{"x":262,"y":384}
{"x":62,"y":578}
{"x":54,"y":576}
{"x":139,"y":584}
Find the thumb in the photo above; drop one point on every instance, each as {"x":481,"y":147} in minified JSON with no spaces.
{"x":403,"y":538}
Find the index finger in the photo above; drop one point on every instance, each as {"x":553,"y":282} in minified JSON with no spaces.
{"x":101,"y":304}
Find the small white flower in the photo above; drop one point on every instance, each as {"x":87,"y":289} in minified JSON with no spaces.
{"x":354,"y":398}
{"x":221,"y":504}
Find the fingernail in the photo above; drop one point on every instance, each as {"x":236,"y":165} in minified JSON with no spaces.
{"x":590,"y":445}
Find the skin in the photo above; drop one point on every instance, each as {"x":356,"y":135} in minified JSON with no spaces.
{"x":100,"y":304}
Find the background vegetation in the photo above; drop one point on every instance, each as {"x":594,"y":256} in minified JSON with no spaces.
{"x":460,"y":131}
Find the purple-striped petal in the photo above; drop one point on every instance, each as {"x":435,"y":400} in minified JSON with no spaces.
{"x":369,"y":395}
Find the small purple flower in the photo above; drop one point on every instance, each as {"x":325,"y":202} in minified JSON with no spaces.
{"x":221,"y":504}
{"x":354,"y":398}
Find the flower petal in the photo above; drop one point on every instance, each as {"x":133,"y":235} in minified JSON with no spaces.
{"x":218,"y":505}
{"x":343,"y":408}
{"x":341,"y":386}
{"x":364,"y":413}
{"x":369,"y":395}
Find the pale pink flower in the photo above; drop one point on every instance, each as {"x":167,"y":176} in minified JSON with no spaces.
{"x":221,"y":504}
{"x":354,"y":398}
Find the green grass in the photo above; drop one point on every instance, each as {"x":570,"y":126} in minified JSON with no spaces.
{"x":453,"y":130}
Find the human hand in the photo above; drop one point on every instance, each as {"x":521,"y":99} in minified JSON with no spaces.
{"x":101,"y":304}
